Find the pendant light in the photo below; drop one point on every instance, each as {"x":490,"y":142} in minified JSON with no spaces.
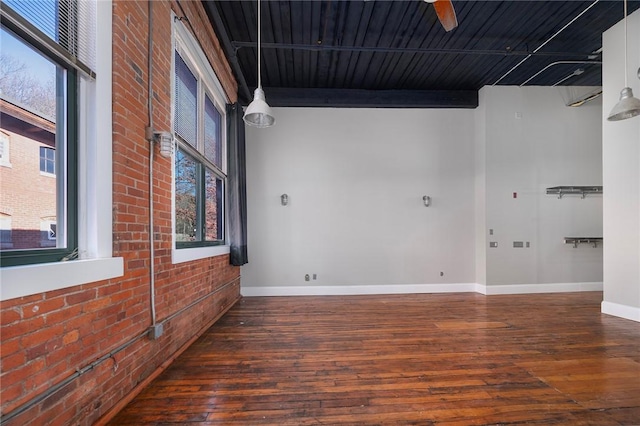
{"x":628,"y":106}
{"x":258,"y":113}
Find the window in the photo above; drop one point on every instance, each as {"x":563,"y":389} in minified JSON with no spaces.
{"x":51,"y":235}
{"x":84,"y":85}
{"x":5,"y":149}
{"x":200,"y":162}
{"x":39,"y":97}
{"x":39,"y":100}
{"x":47,"y":160}
{"x":6,"y":237}
{"x":48,"y":232}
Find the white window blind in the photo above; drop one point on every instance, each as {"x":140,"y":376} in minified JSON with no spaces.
{"x":212,"y":133}
{"x":66,"y":28}
{"x":186,"y":107}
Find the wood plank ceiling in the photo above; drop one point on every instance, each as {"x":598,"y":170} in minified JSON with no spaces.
{"x":396,"y":53}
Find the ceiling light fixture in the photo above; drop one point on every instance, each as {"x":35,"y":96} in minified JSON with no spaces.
{"x":628,"y":106}
{"x":258,"y":113}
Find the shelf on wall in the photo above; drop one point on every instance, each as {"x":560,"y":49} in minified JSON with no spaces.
{"x":574,"y":190}
{"x":583,"y":240}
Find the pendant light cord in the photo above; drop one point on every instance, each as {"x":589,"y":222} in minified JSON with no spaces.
{"x":259,"y":79}
{"x":626,"y":81}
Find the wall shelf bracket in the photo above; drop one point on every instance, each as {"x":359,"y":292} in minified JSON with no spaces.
{"x":583,"y":240}
{"x":574,"y":190}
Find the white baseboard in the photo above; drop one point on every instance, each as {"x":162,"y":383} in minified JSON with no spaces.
{"x":338,"y":290}
{"x":623,"y":311}
{"x":539,"y":288}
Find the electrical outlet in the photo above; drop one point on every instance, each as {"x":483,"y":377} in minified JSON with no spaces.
{"x":315,"y":277}
{"x":306,"y":277}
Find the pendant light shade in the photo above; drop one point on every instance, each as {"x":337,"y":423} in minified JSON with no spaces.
{"x":258,"y":113}
{"x":627,"y":106}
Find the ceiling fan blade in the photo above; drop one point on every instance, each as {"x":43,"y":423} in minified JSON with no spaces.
{"x":446,"y":14}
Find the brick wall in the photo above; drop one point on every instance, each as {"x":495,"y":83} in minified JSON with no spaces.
{"x":28,"y":195}
{"x":66,"y":336}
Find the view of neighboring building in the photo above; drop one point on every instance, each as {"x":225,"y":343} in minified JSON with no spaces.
{"x":27,"y":178}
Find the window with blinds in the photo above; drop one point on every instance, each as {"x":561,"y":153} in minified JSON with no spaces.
{"x":200,"y":165}
{"x":186,"y":108}
{"x":63,"y":28}
{"x":48,"y":46}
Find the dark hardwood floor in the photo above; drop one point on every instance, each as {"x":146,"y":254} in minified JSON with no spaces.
{"x":445,"y":359}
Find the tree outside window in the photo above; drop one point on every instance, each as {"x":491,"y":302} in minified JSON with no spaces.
{"x":199,"y":164}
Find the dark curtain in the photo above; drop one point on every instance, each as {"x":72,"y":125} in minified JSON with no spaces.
{"x":236,"y":186}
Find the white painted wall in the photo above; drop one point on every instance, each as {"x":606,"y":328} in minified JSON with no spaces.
{"x":355,"y":180}
{"x":481,"y":233}
{"x":621,"y":175}
{"x":533,"y":141}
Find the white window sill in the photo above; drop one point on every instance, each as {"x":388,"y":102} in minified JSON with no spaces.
{"x":189,"y":254}
{"x":18,"y":281}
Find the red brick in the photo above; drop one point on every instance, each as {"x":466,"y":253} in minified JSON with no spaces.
{"x":17,"y":302}
{"x":36,"y":351}
{"x":63,"y":315}
{"x":95,"y":305}
{"x":70,"y":337}
{"x":12,"y":392}
{"x":13,"y":361}
{"x":10,"y":347}
{"x":21,"y":328}
{"x":57,"y":397}
{"x":62,"y":355}
{"x":10,"y":315}
{"x":65,"y":417}
{"x":42,"y":307}
{"x":41,"y":336}
{"x":21,"y":374}
{"x":28,"y":418}
{"x":79,"y":322}
{"x":80,"y":297}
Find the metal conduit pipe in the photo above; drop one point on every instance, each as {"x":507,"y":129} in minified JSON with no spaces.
{"x":229,"y":50}
{"x":577,"y":72}
{"x":150,"y":137}
{"x":200,"y":299}
{"x":559,"y":63}
{"x":547,"y":41}
{"x":418,"y":50}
